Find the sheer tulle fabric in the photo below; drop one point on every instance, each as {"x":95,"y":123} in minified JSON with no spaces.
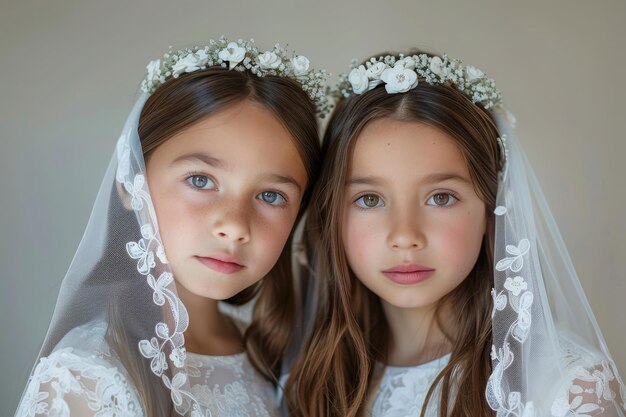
{"x":549,"y":357}
{"x":116,"y":337}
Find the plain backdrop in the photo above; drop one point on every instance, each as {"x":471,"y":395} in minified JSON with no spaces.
{"x":70,"y":72}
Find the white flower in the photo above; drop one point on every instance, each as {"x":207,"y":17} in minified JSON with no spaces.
{"x":375,"y":70}
{"x":269,"y":60}
{"x":473,"y":73}
{"x":515,"y":262}
{"x":184,"y":64}
{"x":500,"y":211}
{"x":399,"y":79}
{"x":407,"y":62}
{"x":154,"y":71}
{"x":437,"y":67}
{"x":178,"y":357}
{"x":300,"y":65}
{"x":202,"y":57}
{"x":233,"y":53}
{"x":516,"y":285}
{"x":359,"y":80}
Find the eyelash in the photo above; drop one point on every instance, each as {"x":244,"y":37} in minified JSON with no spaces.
{"x":448,"y":193}
{"x":189,"y":180}
{"x":356,"y":201}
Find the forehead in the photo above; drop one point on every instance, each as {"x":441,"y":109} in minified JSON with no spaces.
{"x":244,"y":135}
{"x":406,"y":149}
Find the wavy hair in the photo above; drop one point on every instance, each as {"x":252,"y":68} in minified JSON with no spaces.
{"x":334,"y":375}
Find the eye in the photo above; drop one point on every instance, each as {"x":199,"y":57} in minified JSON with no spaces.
{"x":201,"y":182}
{"x":442,"y":200}
{"x":368,"y":201}
{"x":272,"y":197}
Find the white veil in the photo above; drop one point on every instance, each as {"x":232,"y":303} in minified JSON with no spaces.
{"x":117,"y":305}
{"x":115,"y":345}
{"x":549,"y":357}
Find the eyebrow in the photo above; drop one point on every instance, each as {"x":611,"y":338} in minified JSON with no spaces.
{"x":282,"y":179}
{"x":441,"y":177}
{"x":363,"y":181}
{"x":429,"y":179}
{"x":202,"y":157}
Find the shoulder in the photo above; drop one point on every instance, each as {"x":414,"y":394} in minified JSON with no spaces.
{"x":591,"y":384}
{"x":80,"y":378}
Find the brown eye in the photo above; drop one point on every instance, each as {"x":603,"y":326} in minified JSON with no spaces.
{"x":442,"y":200}
{"x":369,"y":201}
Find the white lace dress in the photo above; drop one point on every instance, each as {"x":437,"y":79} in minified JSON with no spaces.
{"x":402,"y":390}
{"x":90,"y":382}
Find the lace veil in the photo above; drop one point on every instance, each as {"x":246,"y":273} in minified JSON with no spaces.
{"x":549,"y":357}
{"x":117,"y":305}
{"x":115,"y":345}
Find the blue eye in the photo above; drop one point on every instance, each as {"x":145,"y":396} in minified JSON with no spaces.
{"x":272,"y":197}
{"x":442,"y":200}
{"x":201,"y":182}
{"x":369,"y":201}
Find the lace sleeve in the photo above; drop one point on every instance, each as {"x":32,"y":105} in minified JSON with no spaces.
{"x":594,"y":388}
{"x":67,"y":383}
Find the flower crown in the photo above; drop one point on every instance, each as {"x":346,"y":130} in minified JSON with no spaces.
{"x":240,"y":56}
{"x":402,"y":73}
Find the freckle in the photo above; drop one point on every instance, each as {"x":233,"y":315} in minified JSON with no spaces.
{"x":388,"y":143}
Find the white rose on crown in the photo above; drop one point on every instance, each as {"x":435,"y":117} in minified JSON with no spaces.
{"x":437,"y":67}
{"x":399,"y":79}
{"x":300,"y":65}
{"x":375,"y":70}
{"x":473,"y":73}
{"x":154,"y":71}
{"x":184,"y":64}
{"x":359,"y":80}
{"x":407,"y":62}
{"x":269,"y":60}
{"x":233,"y":54}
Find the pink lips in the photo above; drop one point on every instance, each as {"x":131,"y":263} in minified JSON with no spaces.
{"x":408,"y":274}
{"x":221,"y":263}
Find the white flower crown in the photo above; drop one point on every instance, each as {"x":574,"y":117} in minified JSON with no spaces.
{"x":402,"y":73}
{"x":241,"y":56}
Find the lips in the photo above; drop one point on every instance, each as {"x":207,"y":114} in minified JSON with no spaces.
{"x":221,"y":263}
{"x":408,"y":274}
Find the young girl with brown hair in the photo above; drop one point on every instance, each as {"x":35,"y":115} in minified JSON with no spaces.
{"x":442,"y":285}
{"x":212,"y":170}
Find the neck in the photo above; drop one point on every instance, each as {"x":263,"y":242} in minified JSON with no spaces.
{"x":209,"y":332}
{"x":416,"y":335}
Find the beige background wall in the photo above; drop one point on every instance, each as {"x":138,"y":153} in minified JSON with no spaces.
{"x":70,"y":70}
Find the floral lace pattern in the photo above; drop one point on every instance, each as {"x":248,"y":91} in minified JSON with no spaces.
{"x":200,"y":386}
{"x":403,"y":390}
{"x":592,"y":382}
{"x":230,"y":386}
{"x":71,"y":379}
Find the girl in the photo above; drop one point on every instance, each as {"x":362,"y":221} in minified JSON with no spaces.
{"x":210,"y":174}
{"x":443,"y":286}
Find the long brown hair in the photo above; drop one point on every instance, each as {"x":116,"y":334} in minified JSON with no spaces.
{"x":335,"y":373}
{"x":175,"y":105}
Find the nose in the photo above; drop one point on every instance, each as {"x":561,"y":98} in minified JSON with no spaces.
{"x":231,"y":224}
{"x":406,"y":231}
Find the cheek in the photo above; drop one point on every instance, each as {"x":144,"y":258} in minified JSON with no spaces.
{"x":271,"y":234}
{"x":359,"y":238}
{"x":461,"y":241}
